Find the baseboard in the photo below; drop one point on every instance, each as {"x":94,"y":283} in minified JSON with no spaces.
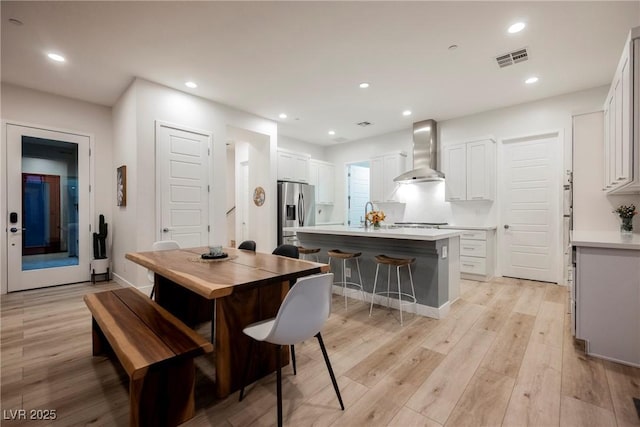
{"x":121,"y":280}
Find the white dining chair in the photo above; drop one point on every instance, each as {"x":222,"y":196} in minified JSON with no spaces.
{"x":301,"y":316}
{"x":160,"y":245}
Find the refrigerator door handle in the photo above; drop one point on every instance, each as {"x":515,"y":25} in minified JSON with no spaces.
{"x":301,"y":210}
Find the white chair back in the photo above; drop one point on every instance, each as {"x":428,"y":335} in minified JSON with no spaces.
{"x":304,"y":310}
{"x":162,"y":245}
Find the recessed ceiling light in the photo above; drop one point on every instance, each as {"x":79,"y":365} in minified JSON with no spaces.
{"x":364,"y":85}
{"x":15,"y":21}
{"x":531,"y":80}
{"x":517,"y":27}
{"x":56,"y":57}
{"x":282,"y":116}
{"x":406,"y":113}
{"x":191,"y":85}
{"x":332,"y":132}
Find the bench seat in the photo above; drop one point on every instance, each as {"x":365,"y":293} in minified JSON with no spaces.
{"x":155,"y":349}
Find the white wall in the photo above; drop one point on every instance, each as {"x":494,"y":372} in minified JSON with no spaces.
{"x":124,"y":226}
{"x":27,"y":106}
{"x":592,"y":206}
{"x":293,"y":144}
{"x":155,"y":102}
{"x":425,"y":202}
{"x":253,"y":148}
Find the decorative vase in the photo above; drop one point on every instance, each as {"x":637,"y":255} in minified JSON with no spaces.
{"x":626,"y":226}
{"x":376,"y":225}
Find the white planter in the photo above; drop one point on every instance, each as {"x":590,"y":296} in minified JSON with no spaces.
{"x":99,"y":266}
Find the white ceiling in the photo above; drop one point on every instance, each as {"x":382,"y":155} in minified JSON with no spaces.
{"x":307,"y":58}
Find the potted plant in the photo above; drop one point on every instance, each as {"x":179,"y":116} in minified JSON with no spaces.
{"x":626,"y":214}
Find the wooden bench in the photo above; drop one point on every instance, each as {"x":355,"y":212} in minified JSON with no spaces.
{"x":155,"y":349}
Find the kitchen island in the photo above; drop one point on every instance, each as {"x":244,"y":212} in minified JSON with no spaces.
{"x":436,"y":272}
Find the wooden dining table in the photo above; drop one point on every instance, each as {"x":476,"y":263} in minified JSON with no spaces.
{"x":232,"y":292}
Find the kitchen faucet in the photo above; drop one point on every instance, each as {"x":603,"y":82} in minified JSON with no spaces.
{"x":366,"y":223}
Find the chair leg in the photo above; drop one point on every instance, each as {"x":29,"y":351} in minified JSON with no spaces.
{"x":293,"y":358}
{"x":279,"y":381}
{"x":247,"y":366}
{"x":331,"y":374}
{"x":153,"y":291}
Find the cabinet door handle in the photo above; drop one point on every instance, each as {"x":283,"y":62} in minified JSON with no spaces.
{"x":621,"y":179}
{"x":468,"y":265}
{"x":477,"y":197}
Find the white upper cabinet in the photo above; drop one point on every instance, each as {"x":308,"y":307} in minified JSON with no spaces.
{"x":382,"y":171}
{"x":322,"y":176}
{"x":621,"y":166}
{"x":470,"y":171}
{"x":293,"y":166}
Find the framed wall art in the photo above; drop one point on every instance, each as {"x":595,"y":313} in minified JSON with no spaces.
{"x":121,"y":185}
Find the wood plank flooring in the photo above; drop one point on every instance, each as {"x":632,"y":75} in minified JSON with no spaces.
{"x":503,"y":356}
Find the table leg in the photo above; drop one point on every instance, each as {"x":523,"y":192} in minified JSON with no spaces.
{"x":234,"y":313}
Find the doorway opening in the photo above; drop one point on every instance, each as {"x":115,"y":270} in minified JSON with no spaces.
{"x":358,"y":182}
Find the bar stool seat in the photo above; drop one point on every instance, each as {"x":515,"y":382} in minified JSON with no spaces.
{"x":347,"y":285}
{"x":403,"y":297}
{"x":306,"y":252}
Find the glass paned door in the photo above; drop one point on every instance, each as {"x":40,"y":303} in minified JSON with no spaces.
{"x":47,"y":209}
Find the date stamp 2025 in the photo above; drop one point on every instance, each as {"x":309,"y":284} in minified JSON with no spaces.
{"x":29,"y":414}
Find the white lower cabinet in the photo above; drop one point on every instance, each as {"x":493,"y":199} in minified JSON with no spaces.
{"x":607,"y":294}
{"x":477,"y":254}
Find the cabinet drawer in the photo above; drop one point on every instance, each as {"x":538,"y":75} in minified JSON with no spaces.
{"x":474,"y":235}
{"x":473,"y":248}
{"x":473,"y":265}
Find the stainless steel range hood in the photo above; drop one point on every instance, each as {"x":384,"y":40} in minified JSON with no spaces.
{"x":425,"y":154}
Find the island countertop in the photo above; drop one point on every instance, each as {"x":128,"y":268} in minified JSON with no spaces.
{"x":605,"y":239}
{"x":428,"y":234}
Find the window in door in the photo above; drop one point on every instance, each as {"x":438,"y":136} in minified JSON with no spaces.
{"x":357,"y":192}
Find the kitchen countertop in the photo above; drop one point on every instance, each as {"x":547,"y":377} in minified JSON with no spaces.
{"x":605,"y":239}
{"x":429,"y":234}
{"x":469,"y":227}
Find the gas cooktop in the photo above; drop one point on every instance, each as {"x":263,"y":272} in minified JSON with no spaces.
{"x":418,"y":224}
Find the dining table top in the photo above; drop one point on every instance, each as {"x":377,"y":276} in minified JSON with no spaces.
{"x":217,"y":278}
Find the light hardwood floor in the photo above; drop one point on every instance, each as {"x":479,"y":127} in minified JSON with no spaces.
{"x":503,"y":356}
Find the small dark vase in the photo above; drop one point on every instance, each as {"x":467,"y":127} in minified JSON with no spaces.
{"x":626,"y":226}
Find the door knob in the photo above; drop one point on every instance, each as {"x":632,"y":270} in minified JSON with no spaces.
{"x":15,"y":230}
{"x":506,"y":226}
{"x":165,"y":230}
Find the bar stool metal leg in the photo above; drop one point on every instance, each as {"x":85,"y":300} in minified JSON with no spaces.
{"x":373,"y":295}
{"x":361,"y":285}
{"x":399,"y":294}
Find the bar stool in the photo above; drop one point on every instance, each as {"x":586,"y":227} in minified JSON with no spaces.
{"x":346,"y":256}
{"x":396,"y":262}
{"x":307,"y":252}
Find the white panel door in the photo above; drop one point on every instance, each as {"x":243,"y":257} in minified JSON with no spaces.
{"x":530,"y":217}
{"x":48,"y":203}
{"x":183,"y":168}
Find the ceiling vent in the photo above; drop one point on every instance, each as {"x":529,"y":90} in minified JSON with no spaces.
{"x":364,"y":124}
{"x":511,"y":58}
{"x":340,"y":140}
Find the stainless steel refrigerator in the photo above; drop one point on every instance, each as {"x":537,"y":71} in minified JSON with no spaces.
{"x":296,"y":208}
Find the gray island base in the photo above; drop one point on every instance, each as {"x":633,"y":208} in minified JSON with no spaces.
{"x":436,"y":272}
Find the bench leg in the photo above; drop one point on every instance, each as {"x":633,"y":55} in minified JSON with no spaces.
{"x":99,"y":341}
{"x":164,"y":396}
